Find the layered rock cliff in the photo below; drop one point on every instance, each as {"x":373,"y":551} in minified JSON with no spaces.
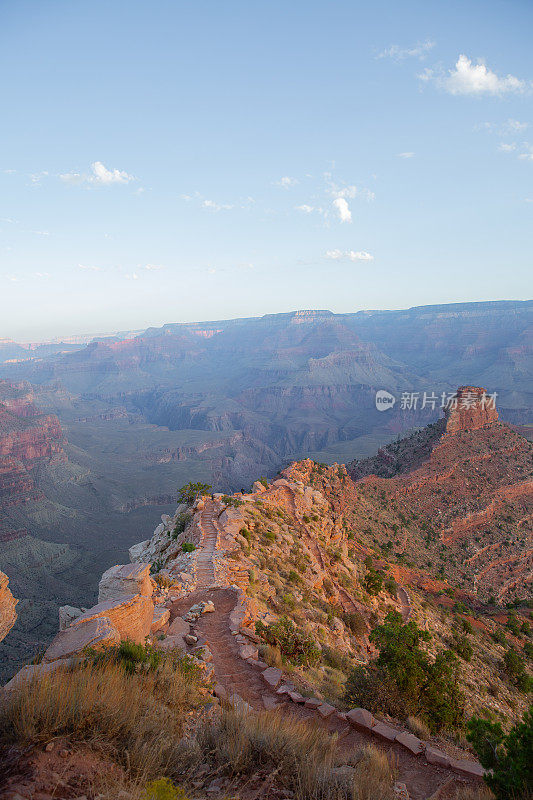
{"x":8,"y":615}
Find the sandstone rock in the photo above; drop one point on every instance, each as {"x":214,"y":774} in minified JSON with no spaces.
{"x":220,"y":692}
{"x":96,"y":633}
{"x":160,"y":618}
{"x":400,"y":791}
{"x":410,"y":742}
{"x":384,"y":731}
{"x":470,"y":410}
{"x":178,"y":627}
{"x":361,"y":718}
{"x":132,"y":616}
{"x":269,"y":702}
{"x":67,"y":615}
{"x":8,"y":615}
{"x":284,"y":689}
{"x":312,"y":703}
{"x":190,"y":639}
{"x":258,"y":487}
{"x":272,"y":676}
{"x":434,"y":756}
{"x":296,"y":697}
{"x":125,"y":580}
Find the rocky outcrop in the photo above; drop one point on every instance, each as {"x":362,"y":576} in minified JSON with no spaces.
{"x":125,"y":580}
{"x":8,"y":615}
{"x":131,"y":617}
{"x":470,"y":409}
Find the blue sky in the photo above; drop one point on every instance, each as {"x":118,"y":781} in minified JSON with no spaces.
{"x":202,"y":159}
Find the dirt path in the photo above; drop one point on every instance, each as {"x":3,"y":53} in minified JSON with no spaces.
{"x":205,"y":571}
{"x":405,"y":604}
{"x":243,"y":679}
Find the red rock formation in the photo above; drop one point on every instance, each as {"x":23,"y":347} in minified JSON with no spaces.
{"x":472,"y":408}
{"x":27,"y":438}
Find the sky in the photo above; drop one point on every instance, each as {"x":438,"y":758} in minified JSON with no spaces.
{"x":181,"y":160}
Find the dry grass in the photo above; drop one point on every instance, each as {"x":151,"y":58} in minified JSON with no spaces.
{"x":303,"y":757}
{"x":471,"y":793}
{"x":141,"y":716}
{"x":418,"y":727}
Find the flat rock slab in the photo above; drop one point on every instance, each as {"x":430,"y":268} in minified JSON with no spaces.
{"x":269,"y":702}
{"x":434,"y":756}
{"x":325,"y":710}
{"x":178,"y":627}
{"x":96,"y":633}
{"x":472,"y":769}
{"x":272,"y":676}
{"x":220,"y":692}
{"x":296,"y":697}
{"x":312,"y":703}
{"x":384,"y":732}
{"x":262,"y":665}
{"x":284,"y":689}
{"x":124,"y":580}
{"x":361,"y":718}
{"x":410,"y":742}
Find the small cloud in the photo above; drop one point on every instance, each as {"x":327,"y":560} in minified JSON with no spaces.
{"x":40,"y":233}
{"x":305,"y":208}
{"x":468,"y":78}
{"x":397,"y":53}
{"x":507,"y":148}
{"x":10,"y":278}
{"x":286,"y":182}
{"x":42,"y":274}
{"x":153,"y":267}
{"x":36,"y":177}
{"x":131,"y":276}
{"x":91,"y":268}
{"x":406,"y":155}
{"x":349,"y":255}
{"x":528,"y":154}
{"x":343,"y":209}
{"x":212,"y":206}
{"x":100,"y":176}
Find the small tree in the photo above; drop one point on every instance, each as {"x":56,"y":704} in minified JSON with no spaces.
{"x":509,"y":757}
{"x":192,"y":491}
{"x":373,"y":582}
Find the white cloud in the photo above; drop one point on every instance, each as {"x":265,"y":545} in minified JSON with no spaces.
{"x":397,"y":53}
{"x":101,"y":176}
{"x":154,"y":267}
{"x":349,"y":255}
{"x":305,"y":208}
{"x":131,"y":276}
{"x":473,"y":79}
{"x":343,"y":209}
{"x":286,"y":182}
{"x":216,"y":206}
{"x":42,"y":274}
{"x":507,"y":148}
{"x":406,"y":155}
{"x":90,"y":267}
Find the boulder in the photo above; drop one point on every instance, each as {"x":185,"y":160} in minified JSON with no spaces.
{"x":361,"y":718}
{"x":96,"y":633}
{"x":410,"y":742}
{"x":160,"y":618}
{"x":125,"y":580}
{"x":272,"y":676}
{"x":312,"y":703}
{"x":269,"y":702}
{"x":296,"y":697}
{"x":132,"y":616}
{"x":248,"y":651}
{"x":257,"y":486}
{"x":67,"y":615}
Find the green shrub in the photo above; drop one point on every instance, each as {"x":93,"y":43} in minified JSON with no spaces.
{"x":181,"y":523}
{"x":373,"y":582}
{"x":462,"y":646}
{"x":293,"y":644}
{"x":355,"y":622}
{"x":192,"y":491}
{"x":188,"y":547}
{"x":515,"y":665}
{"x":163,"y":789}
{"x":509,"y":757}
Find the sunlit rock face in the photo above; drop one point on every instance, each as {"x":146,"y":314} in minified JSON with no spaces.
{"x":8,"y":615}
